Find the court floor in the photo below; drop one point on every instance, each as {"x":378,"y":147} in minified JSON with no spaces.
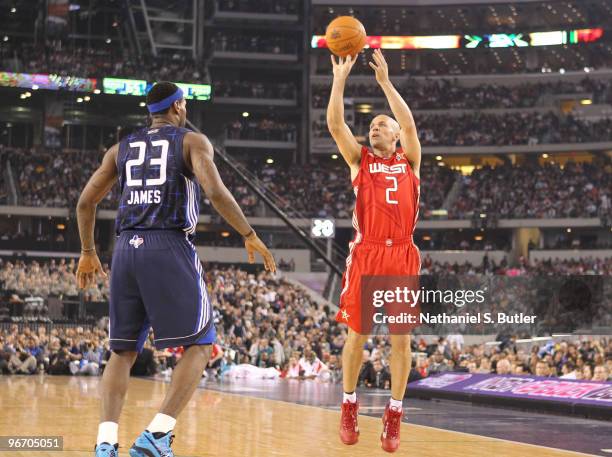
{"x":239,"y":420}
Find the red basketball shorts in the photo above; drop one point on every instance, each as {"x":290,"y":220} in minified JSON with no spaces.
{"x":388,"y":260}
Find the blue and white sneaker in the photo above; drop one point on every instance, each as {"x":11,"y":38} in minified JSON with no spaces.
{"x":107,"y":450}
{"x":146,"y":445}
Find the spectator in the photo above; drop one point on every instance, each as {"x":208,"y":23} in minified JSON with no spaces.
{"x":145,"y":364}
{"x":503,"y":366}
{"x":21,"y":362}
{"x":600,"y":373}
{"x":376,"y":376}
{"x":440,"y":364}
{"x":310,"y":365}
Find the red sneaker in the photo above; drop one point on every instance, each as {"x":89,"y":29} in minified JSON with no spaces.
{"x":390,"y":437}
{"x":349,"y":430}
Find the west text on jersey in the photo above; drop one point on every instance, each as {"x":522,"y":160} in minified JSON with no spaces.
{"x":398,"y":168}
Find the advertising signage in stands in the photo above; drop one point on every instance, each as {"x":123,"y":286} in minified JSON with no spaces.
{"x":124,"y":86}
{"x":495,"y":40}
{"x":115,"y":86}
{"x":196,"y":91}
{"x":402,"y":42}
{"x":508,"y":40}
{"x":140,"y":88}
{"x":518,"y":387}
{"x":49,"y":82}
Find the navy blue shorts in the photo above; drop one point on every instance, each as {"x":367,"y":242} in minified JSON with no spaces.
{"x":157,"y":281}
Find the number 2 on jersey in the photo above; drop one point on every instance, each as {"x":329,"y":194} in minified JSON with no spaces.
{"x":393,"y":188}
{"x":162,"y":161}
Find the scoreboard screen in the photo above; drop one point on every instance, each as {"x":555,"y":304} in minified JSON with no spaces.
{"x":494,"y":40}
{"x":196,"y":91}
{"x":124,"y":86}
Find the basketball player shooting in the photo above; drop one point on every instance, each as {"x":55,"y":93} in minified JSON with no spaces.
{"x":156,"y":276}
{"x":385,"y":180}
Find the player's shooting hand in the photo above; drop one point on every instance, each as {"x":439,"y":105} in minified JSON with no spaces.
{"x":253,"y":244}
{"x":89,"y":267}
{"x":380,"y":67}
{"x":343,"y":66}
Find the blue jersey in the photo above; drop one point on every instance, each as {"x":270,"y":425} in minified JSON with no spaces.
{"x":157,"y":190}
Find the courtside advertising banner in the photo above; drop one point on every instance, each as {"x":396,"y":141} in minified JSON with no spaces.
{"x":519,"y":387}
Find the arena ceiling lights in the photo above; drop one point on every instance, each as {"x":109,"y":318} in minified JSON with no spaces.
{"x":495,"y":40}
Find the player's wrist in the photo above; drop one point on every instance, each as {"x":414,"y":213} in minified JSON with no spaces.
{"x":251,"y":235}
{"x":88,"y":251}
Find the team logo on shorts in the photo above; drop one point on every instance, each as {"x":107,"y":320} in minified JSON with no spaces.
{"x":136,"y":241}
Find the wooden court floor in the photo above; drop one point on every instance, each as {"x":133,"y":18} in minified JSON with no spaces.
{"x":219,"y":424}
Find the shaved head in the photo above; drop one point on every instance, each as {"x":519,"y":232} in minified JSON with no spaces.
{"x":384,"y":133}
{"x":392,"y":122}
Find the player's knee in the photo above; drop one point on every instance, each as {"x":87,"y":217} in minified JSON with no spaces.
{"x":401,"y":344}
{"x":353,"y":345}
{"x":129,"y":356}
{"x":356,"y":340}
{"x":203,"y":350}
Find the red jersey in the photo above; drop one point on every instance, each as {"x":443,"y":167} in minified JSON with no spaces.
{"x":385,"y":215}
{"x":387,"y":197}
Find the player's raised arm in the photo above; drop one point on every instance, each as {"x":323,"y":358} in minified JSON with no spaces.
{"x":96,"y":188}
{"x":409,"y":138}
{"x":200,"y":154}
{"x":344,"y":138}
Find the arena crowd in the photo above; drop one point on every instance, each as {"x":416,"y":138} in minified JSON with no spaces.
{"x":266,"y":322}
{"x":432,"y":94}
{"x":485,"y":129}
{"x":51,"y":178}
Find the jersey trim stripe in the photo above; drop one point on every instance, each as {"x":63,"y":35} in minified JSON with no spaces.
{"x":190,"y":208}
{"x":417,"y":204}
{"x":201,"y":290}
{"x":204,"y":303}
{"x":187,"y":204}
{"x":194,"y":216}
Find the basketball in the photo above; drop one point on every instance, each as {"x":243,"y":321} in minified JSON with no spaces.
{"x":345,"y":36}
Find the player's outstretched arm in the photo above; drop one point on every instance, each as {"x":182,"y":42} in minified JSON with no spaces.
{"x":341,"y":133}
{"x":96,"y":188}
{"x":409,"y":138}
{"x":200,"y":155}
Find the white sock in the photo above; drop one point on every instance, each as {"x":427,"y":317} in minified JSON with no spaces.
{"x":349,"y":397}
{"x":395,"y":404}
{"x":107,"y":433}
{"x":161,"y":423}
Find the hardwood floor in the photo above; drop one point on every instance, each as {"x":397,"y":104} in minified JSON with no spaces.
{"x":219,"y":424}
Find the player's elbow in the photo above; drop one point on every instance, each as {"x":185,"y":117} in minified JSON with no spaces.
{"x":214,"y":194}
{"x":334,"y":126}
{"x":85,"y":204}
{"x":334,"y":119}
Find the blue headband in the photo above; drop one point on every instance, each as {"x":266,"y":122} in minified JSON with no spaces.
{"x":166,"y":102}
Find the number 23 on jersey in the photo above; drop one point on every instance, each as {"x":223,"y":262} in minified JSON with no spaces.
{"x":146,"y":196}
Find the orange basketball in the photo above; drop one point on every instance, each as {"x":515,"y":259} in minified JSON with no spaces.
{"x":345,"y":36}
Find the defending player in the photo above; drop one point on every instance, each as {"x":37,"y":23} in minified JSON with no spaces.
{"x":386,"y":184}
{"x":156,"y":277}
